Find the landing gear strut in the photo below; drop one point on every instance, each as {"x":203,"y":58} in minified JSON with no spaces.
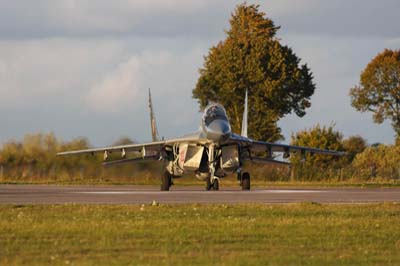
{"x":166,"y":181}
{"x":212,"y":181}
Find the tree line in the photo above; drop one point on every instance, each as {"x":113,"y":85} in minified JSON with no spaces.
{"x":34,"y":159}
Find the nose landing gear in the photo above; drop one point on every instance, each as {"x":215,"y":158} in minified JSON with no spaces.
{"x":212,"y":185}
{"x":213,"y":181}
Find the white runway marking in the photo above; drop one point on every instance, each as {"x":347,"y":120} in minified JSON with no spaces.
{"x":283,"y":191}
{"x":293,"y":191}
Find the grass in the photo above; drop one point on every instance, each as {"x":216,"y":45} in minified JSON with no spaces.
{"x":192,"y":181}
{"x":299,"y":234}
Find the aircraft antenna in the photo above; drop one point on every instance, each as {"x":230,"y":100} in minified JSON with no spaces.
{"x":154,"y":131}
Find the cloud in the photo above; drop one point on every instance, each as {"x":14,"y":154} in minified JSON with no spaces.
{"x":356,"y":18}
{"x":83,"y":18}
{"x":117,"y":90}
{"x":336,"y":63}
{"x":205,"y":19}
{"x":51,"y":71}
{"x":80,"y":87}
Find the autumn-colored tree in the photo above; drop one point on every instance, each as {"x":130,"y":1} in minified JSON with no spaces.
{"x":317,"y":166}
{"x":378,"y":162}
{"x":318,"y":137}
{"x":379,"y":89}
{"x":354,"y":145}
{"x":252,"y":58}
{"x":11,"y":153}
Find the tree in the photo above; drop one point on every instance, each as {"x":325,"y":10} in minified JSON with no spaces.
{"x":124,"y":140}
{"x":380,"y":162}
{"x":354,"y":145}
{"x":379,"y":89}
{"x":316,"y":166}
{"x":251,"y":57}
{"x":318,"y":137}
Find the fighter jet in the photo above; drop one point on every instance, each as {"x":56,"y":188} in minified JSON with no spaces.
{"x":213,"y":152}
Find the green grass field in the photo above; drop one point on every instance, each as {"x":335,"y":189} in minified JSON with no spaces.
{"x":300,"y":234}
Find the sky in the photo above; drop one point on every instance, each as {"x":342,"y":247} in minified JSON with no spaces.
{"x":82,"y":68}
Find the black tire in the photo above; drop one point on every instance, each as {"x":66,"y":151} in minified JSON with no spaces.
{"x":166,"y":181}
{"x":246,"y":181}
{"x":208,"y":184}
{"x":215,"y":185}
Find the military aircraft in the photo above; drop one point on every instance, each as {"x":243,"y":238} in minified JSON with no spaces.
{"x":211,"y":153}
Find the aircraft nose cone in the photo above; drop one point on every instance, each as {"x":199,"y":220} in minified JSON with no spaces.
{"x":219,"y":130}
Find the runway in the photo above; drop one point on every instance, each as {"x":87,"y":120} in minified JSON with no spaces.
{"x":52,"y":194}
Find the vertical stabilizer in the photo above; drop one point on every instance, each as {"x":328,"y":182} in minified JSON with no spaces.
{"x":244,"y":121}
{"x":154,"y":131}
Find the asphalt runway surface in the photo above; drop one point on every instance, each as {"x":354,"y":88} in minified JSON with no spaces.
{"x":52,"y":194}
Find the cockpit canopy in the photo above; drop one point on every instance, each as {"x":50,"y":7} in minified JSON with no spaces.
{"x":213,"y":112}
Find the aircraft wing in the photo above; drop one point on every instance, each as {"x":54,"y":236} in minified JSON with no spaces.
{"x":144,"y":148}
{"x":276,"y":147}
{"x":152,"y":146}
{"x":261,"y":146}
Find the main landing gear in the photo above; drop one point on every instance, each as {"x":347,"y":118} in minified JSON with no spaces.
{"x":244,"y":180}
{"x":166,"y":181}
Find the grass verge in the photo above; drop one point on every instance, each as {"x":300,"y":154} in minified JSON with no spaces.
{"x":299,"y":234}
{"x":191,"y":181}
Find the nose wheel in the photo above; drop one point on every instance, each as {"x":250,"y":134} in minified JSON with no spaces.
{"x":214,"y":185}
{"x":213,"y":181}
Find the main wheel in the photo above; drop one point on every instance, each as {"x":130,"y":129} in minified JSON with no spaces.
{"x":246,"y":181}
{"x":166,"y":181}
{"x":215,"y":185}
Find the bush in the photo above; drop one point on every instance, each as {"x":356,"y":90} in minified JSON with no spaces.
{"x":354,"y":145}
{"x":35,"y":158}
{"x":317,"y":166}
{"x":379,"y":162}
